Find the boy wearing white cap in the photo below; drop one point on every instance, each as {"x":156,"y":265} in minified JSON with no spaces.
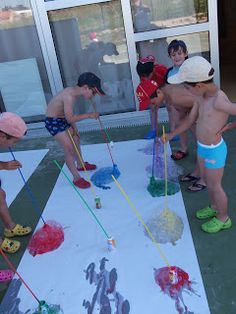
{"x":12,"y":129}
{"x":210,"y":112}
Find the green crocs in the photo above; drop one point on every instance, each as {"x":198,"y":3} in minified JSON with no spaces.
{"x":206,"y":212}
{"x":216,"y":225}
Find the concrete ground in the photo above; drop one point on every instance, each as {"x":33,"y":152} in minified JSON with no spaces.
{"x":216,"y":253}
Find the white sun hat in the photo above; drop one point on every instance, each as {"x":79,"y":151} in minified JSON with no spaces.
{"x":193,"y":70}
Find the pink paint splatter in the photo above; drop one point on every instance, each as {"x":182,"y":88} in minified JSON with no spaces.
{"x":173,"y":281}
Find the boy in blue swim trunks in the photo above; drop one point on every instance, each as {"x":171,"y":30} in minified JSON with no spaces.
{"x":210,"y":112}
{"x":60,"y":118}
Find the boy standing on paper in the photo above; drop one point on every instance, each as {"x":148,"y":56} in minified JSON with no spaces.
{"x":60,"y":118}
{"x":151,"y":77}
{"x":210,"y":111}
{"x":12,"y":129}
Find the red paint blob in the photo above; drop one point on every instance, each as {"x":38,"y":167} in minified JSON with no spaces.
{"x":46,"y":239}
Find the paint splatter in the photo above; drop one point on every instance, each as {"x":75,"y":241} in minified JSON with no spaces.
{"x":105,"y":296}
{"x":158,"y":171}
{"x":45,"y":308}
{"x":165,"y":227}
{"x":173,"y":281}
{"x":148,"y":149}
{"x":102,"y":177}
{"x":46,"y":239}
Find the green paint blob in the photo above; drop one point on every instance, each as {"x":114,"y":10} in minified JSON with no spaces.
{"x":157,"y":187}
{"x":45,"y":308}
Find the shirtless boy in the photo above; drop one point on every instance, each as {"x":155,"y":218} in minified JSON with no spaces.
{"x":210,"y":111}
{"x":60,"y":119}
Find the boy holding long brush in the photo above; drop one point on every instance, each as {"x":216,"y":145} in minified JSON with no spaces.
{"x":210,"y":112}
{"x":60,"y":118}
{"x":12,"y":129}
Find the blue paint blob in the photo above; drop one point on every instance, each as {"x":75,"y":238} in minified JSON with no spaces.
{"x":102,"y":177}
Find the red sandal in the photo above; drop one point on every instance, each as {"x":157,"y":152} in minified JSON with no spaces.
{"x":87,"y":166}
{"x":179,"y":155}
{"x":82,"y":183}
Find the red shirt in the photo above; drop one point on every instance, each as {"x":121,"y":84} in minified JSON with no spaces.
{"x":147,"y":87}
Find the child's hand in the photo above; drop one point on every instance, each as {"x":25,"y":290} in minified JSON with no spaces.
{"x":93,"y":115}
{"x":226,"y":127}
{"x":165,"y":138}
{"x":10,"y":165}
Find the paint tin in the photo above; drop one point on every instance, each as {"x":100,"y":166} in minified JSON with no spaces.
{"x":111,"y":244}
{"x":111,"y":144}
{"x":44,"y":308}
{"x":98,"y":202}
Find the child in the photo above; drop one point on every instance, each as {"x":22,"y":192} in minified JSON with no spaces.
{"x":210,"y":111}
{"x":60,"y":119}
{"x":178,"y":53}
{"x":12,"y":128}
{"x":151,"y":77}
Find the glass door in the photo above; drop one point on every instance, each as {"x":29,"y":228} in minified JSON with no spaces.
{"x":24,"y":85}
{"x":91,"y":38}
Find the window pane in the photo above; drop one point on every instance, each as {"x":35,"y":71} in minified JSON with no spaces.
{"x":156,"y":14}
{"x":197,"y":44}
{"x":91,"y":38}
{"x":24,"y":84}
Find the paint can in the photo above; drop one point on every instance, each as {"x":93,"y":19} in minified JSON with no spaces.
{"x":98,"y":202}
{"x":111,"y":244}
{"x":111,"y":144}
{"x":44,"y":308}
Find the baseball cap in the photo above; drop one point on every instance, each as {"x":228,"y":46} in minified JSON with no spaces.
{"x":193,"y":70}
{"x":90,"y":79}
{"x":12,"y":124}
{"x":144,"y":92}
{"x":149,"y":58}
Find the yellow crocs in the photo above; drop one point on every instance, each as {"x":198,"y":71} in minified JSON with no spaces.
{"x":10,"y":246}
{"x":18,"y":231}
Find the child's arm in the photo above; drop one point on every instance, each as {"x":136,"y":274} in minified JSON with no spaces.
{"x":69,"y":115}
{"x":185,"y":124}
{"x":10,"y":165}
{"x":225,"y":105}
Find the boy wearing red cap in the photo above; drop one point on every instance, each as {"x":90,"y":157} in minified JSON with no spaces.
{"x":60,"y":117}
{"x":151,"y":77}
{"x":12,"y":129}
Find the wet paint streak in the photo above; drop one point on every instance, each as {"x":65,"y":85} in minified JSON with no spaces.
{"x":105,"y":295}
{"x":173,"y":281}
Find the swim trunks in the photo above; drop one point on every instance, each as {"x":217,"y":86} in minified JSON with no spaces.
{"x":56,"y":125}
{"x":213,"y":155}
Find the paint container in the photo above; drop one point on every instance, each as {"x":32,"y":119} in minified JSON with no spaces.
{"x":98,"y":202}
{"x":111,"y":244}
{"x":44,"y":308}
{"x":111,"y":144}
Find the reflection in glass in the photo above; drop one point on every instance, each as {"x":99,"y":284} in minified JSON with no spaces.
{"x":92,"y":38}
{"x":156,"y":14}
{"x":24,"y":85}
{"x":197,"y":43}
